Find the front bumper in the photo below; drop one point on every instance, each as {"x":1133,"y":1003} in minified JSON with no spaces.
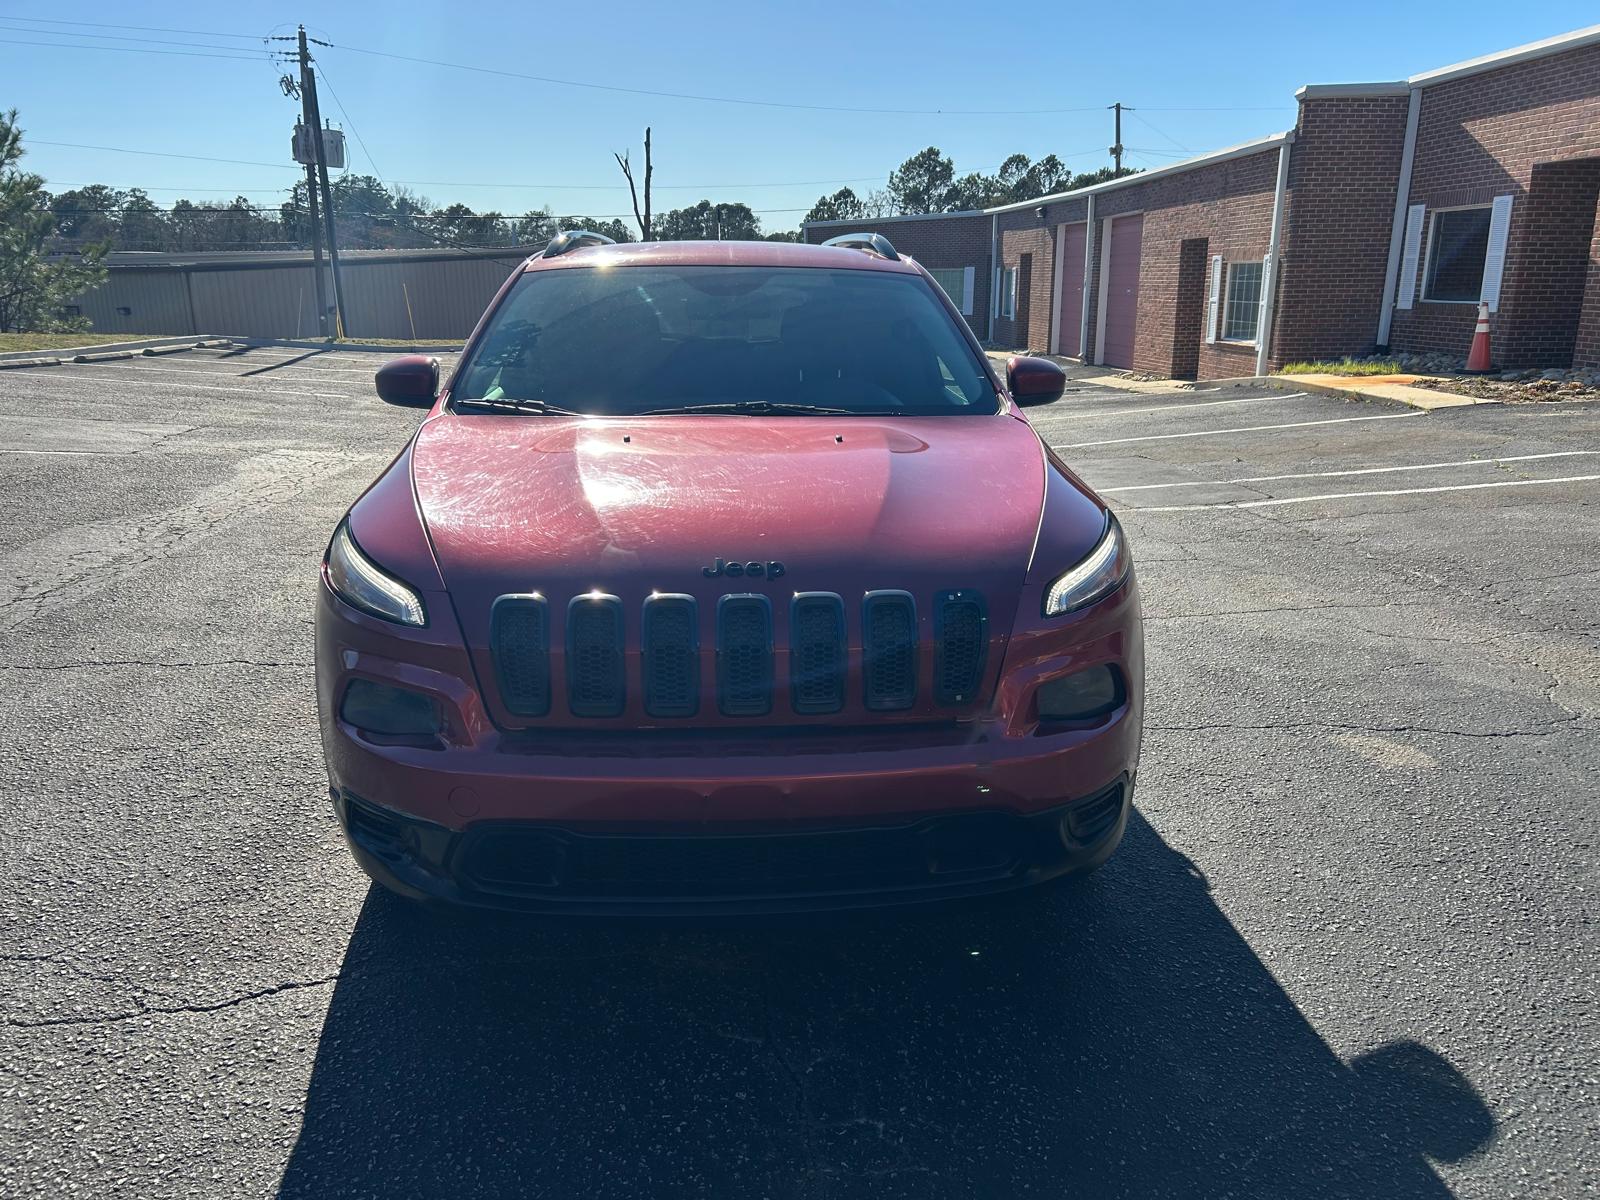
{"x":546,"y":868}
{"x":722,"y":819}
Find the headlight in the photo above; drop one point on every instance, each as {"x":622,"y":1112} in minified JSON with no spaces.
{"x":1101,"y":573}
{"x":358,"y":581}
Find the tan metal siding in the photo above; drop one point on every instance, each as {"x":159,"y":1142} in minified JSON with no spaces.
{"x":157,"y":302}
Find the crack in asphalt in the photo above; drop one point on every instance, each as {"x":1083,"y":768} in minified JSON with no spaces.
{"x":1353,"y":727}
{"x":92,"y":664}
{"x":149,"y":1010}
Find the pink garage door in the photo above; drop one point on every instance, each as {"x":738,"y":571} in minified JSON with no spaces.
{"x":1122,"y":291}
{"x":1069,"y":247}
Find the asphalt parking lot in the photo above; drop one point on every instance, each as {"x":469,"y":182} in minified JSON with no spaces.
{"x":1349,"y":947}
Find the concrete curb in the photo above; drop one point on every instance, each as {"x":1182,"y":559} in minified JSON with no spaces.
{"x":67,"y":352}
{"x":1371,"y":388}
{"x":294,"y":344}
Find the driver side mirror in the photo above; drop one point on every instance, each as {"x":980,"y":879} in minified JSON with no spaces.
{"x":412,"y":380}
{"x":1033,"y":380}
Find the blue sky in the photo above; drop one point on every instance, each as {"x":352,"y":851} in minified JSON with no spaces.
{"x":1200,"y":75}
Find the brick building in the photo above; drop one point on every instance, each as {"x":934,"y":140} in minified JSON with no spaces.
{"x":1379,"y":220}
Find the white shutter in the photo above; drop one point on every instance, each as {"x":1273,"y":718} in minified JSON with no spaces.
{"x":1214,"y":307}
{"x":1494,"y":262}
{"x":1410,"y":252}
{"x":967,"y":274}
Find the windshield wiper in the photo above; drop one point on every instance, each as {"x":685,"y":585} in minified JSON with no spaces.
{"x":513,"y":405}
{"x":759,"y":408}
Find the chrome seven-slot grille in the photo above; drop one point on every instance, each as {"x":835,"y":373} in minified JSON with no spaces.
{"x":669,"y":683}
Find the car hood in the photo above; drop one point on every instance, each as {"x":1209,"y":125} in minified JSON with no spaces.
{"x":629,"y":506}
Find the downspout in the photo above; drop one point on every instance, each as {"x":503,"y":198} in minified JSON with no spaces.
{"x":994,"y":274}
{"x":1088,"y":273}
{"x":1402,"y":200}
{"x":1274,"y":253}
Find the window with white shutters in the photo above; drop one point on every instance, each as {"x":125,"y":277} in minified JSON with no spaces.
{"x":1494,"y":263}
{"x":1458,"y":249}
{"x":957,"y":284}
{"x":1242,"y":312}
{"x":1214,"y":305}
{"x":1410,"y":255}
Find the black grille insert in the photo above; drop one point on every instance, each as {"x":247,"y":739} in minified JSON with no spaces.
{"x":671,"y":664}
{"x":595,"y":684}
{"x":961,"y":633}
{"x":945,"y":850}
{"x":889,"y":646}
{"x":816,"y":653}
{"x":519,"y":643}
{"x":744,"y":655}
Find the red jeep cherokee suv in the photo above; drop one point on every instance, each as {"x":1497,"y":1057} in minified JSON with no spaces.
{"x":726,"y":576}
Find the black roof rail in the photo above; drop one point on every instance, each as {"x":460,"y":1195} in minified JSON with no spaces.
{"x":872,"y":243}
{"x":575,"y":239}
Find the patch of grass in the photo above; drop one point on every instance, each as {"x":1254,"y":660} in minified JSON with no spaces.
{"x":1344,"y":366}
{"x":66,"y":341}
{"x":420,"y":341}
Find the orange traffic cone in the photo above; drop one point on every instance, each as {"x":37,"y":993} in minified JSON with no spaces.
{"x":1478,"y":356}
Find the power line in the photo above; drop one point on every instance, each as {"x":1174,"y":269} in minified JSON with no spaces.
{"x":372,"y":162}
{"x":607,"y":87}
{"x":139,"y":187}
{"x":243,"y":162}
{"x":617,"y":187}
{"x":1167,"y":137}
{"x":113,"y":37}
{"x":132,"y":50}
{"x":254,"y":37}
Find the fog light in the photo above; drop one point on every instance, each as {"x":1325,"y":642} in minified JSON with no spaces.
{"x":1082,"y":696}
{"x":390,"y":711}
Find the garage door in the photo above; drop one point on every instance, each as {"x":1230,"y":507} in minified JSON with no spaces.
{"x":1122,"y":290}
{"x":1069,"y":250}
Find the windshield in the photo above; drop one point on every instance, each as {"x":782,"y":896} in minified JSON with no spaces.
{"x":624,"y":341}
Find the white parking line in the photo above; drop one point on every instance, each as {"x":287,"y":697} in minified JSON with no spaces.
{"x":1454,"y":487}
{"x":137,"y":367}
{"x":1463,"y":462}
{"x":1162,"y":437}
{"x":171,"y":387}
{"x":1130,"y":412}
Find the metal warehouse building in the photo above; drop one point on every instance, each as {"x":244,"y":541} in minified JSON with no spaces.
{"x":388,"y":293}
{"x":1379,"y":220}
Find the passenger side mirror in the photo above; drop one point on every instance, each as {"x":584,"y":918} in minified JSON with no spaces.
{"x":1034,"y":380}
{"x":411,"y":380}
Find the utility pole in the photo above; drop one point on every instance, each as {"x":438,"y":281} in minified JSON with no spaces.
{"x":1116,"y":150}
{"x":316,"y":249}
{"x":313,"y":120}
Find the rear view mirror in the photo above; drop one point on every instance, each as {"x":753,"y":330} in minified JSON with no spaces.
{"x":411,"y":380}
{"x":1034,"y":380}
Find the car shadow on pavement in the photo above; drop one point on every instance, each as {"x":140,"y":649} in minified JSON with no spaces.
{"x":1115,"y":1037}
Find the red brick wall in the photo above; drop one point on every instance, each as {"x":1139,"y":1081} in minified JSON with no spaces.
{"x":1481,"y":137}
{"x":1228,"y":206}
{"x":1338,"y":214}
{"x":1586,"y":351}
{"x":1551,"y":249}
{"x":1026,"y":235}
{"x":954,"y":241}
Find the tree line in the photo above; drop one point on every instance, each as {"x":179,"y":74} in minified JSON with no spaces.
{"x":927,"y":183}
{"x":368,"y":215}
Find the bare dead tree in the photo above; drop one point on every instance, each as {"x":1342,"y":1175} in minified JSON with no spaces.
{"x":627,"y":173}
